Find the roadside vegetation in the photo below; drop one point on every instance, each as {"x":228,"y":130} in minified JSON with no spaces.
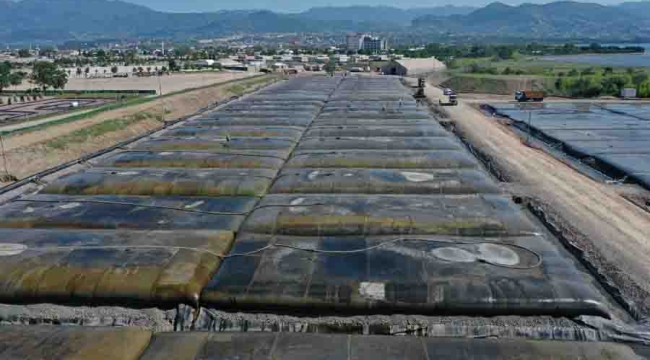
{"x":448,"y":53}
{"x":244,"y":86}
{"x":573,"y":80}
{"x":104,"y":127}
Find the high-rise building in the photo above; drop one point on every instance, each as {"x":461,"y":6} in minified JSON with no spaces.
{"x":373,"y":44}
{"x":354,"y":41}
{"x":365,"y":42}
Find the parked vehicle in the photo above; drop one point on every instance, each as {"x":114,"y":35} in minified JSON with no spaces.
{"x":628,"y":93}
{"x":449,"y":97}
{"x":527,"y":95}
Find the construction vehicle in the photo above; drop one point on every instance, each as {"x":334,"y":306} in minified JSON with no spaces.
{"x":448,"y":97}
{"x":527,"y":95}
{"x":419,"y":94}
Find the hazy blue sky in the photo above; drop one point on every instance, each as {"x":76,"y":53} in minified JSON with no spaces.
{"x":299,"y":5}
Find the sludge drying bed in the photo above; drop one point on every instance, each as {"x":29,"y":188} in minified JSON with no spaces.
{"x":148,"y":225}
{"x":611,"y":137}
{"x":367,"y":208}
{"x":379,"y":211}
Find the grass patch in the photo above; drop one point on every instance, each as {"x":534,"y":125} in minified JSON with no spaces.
{"x":108,"y":126}
{"x":241,"y":88}
{"x":555,"y":78}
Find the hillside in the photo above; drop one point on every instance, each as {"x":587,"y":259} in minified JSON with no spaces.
{"x":381,"y":13}
{"x":563,"y":19}
{"x":61,"y":20}
{"x":64,"y":20}
{"x":637,"y":7}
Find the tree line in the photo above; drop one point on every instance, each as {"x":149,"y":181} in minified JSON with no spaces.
{"x":44,"y":75}
{"x":447,"y":53}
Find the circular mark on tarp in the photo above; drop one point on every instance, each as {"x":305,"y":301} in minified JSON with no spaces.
{"x":8,"y":249}
{"x":195,"y":204}
{"x":417,"y":177}
{"x":453,"y":254}
{"x":71,"y":205}
{"x":498,"y":254}
{"x":297,"y":209}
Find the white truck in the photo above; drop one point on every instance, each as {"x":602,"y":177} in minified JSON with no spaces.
{"x":448,"y":97}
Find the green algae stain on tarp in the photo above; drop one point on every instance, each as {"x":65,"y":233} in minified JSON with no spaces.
{"x":379,"y":143}
{"x":187,"y":159}
{"x":164,"y":182}
{"x":334,"y":214}
{"x":381,"y":159}
{"x":106,"y":266}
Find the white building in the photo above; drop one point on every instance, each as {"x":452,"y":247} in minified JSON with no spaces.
{"x":374,"y":44}
{"x":341,"y":59}
{"x":412,"y":67}
{"x":204,"y":63}
{"x":356,"y":42}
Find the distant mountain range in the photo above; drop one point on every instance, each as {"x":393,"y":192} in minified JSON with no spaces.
{"x":381,"y":13}
{"x":63,"y":20}
{"x":563,"y":19}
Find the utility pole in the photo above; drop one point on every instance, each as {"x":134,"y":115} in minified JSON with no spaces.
{"x":530,"y":120}
{"x":162,"y":102}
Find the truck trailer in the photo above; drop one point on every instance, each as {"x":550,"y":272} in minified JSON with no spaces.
{"x":527,"y":95}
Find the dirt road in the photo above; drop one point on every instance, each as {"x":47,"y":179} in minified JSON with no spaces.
{"x":169,"y":83}
{"x":618,"y":231}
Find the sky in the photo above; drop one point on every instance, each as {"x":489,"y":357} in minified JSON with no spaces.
{"x":300,"y":5}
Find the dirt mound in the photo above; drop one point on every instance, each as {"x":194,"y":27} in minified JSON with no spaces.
{"x":495,"y":85}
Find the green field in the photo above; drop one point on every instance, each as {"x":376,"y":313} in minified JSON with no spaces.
{"x":564,"y":79}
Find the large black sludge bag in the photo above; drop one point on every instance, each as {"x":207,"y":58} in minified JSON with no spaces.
{"x":292,"y":132}
{"x":383,"y":181}
{"x":187,"y":159}
{"x":164,"y":182}
{"x":379,"y":159}
{"x":433,"y":275}
{"x":126,"y":212}
{"x":355,"y":214}
{"x":108,"y":267}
